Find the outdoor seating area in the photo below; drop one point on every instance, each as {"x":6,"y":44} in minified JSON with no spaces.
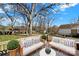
{"x":32,"y":46}
{"x":64,"y":45}
{"x":39,"y":29}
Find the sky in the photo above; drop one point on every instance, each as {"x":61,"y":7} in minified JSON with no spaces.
{"x":66,"y":15}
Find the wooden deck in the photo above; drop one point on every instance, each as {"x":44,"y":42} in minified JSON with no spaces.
{"x":58,"y":53}
{"x":36,"y":53}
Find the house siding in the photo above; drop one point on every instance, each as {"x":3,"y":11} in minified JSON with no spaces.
{"x":64,"y":31}
{"x":77,"y":30}
{"x":69,"y":29}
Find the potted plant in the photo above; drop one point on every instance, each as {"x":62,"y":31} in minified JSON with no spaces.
{"x":43,"y":38}
{"x":49,"y":38}
{"x":12,"y":47}
{"x":48,"y":50}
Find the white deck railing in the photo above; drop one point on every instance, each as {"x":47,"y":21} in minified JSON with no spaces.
{"x":3,"y":45}
{"x":64,"y":41}
{"x":28,"y":41}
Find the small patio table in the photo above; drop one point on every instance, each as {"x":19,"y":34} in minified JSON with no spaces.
{"x":43,"y":53}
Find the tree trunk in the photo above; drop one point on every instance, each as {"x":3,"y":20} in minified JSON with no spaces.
{"x":30,"y":28}
{"x":30,"y":25}
{"x":31,"y":18}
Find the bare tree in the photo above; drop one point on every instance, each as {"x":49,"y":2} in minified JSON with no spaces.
{"x":11,"y":18}
{"x":77,"y":20}
{"x":1,"y":17}
{"x":31,"y":11}
{"x":49,"y":23}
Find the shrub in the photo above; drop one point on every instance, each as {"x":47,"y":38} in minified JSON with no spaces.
{"x":44,"y":37}
{"x":13,"y":44}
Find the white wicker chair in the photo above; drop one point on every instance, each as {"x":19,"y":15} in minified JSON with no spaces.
{"x":64,"y":45}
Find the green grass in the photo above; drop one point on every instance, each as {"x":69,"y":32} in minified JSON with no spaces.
{"x":7,"y":37}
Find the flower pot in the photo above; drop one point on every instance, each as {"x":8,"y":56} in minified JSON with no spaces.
{"x":49,"y":38}
{"x":13,"y":46}
{"x":21,"y":51}
{"x":13,"y":52}
{"x":42,"y":40}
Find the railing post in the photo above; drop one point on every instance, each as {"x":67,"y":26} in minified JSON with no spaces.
{"x":4,"y":46}
{"x":1,"y":47}
{"x":77,"y":48}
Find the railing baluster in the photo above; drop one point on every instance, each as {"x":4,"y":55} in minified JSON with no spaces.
{"x":3,"y":46}
{"x":65,"y":41}
{"x":0,"y":47}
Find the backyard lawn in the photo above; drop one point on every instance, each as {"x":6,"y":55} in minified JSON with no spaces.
{"x":11,"y":37}
{"x":8,"y":37}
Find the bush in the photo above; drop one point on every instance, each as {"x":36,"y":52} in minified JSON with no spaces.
{"x":43,"y":36}
{"x":13,"y":44}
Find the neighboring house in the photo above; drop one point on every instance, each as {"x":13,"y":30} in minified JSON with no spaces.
{"x":20,"y":29}
{"x":53,"y":30}
{"x":7,"y":30}
{"x":4,"y":30}
{"x":1,"y":28}
{"x":69,"y":29}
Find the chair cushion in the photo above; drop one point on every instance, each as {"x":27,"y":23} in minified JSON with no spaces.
{"x":70,"y":50}
{"x":32,"y":48}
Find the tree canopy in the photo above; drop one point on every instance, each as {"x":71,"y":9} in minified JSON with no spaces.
{"x":30,"y":12}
